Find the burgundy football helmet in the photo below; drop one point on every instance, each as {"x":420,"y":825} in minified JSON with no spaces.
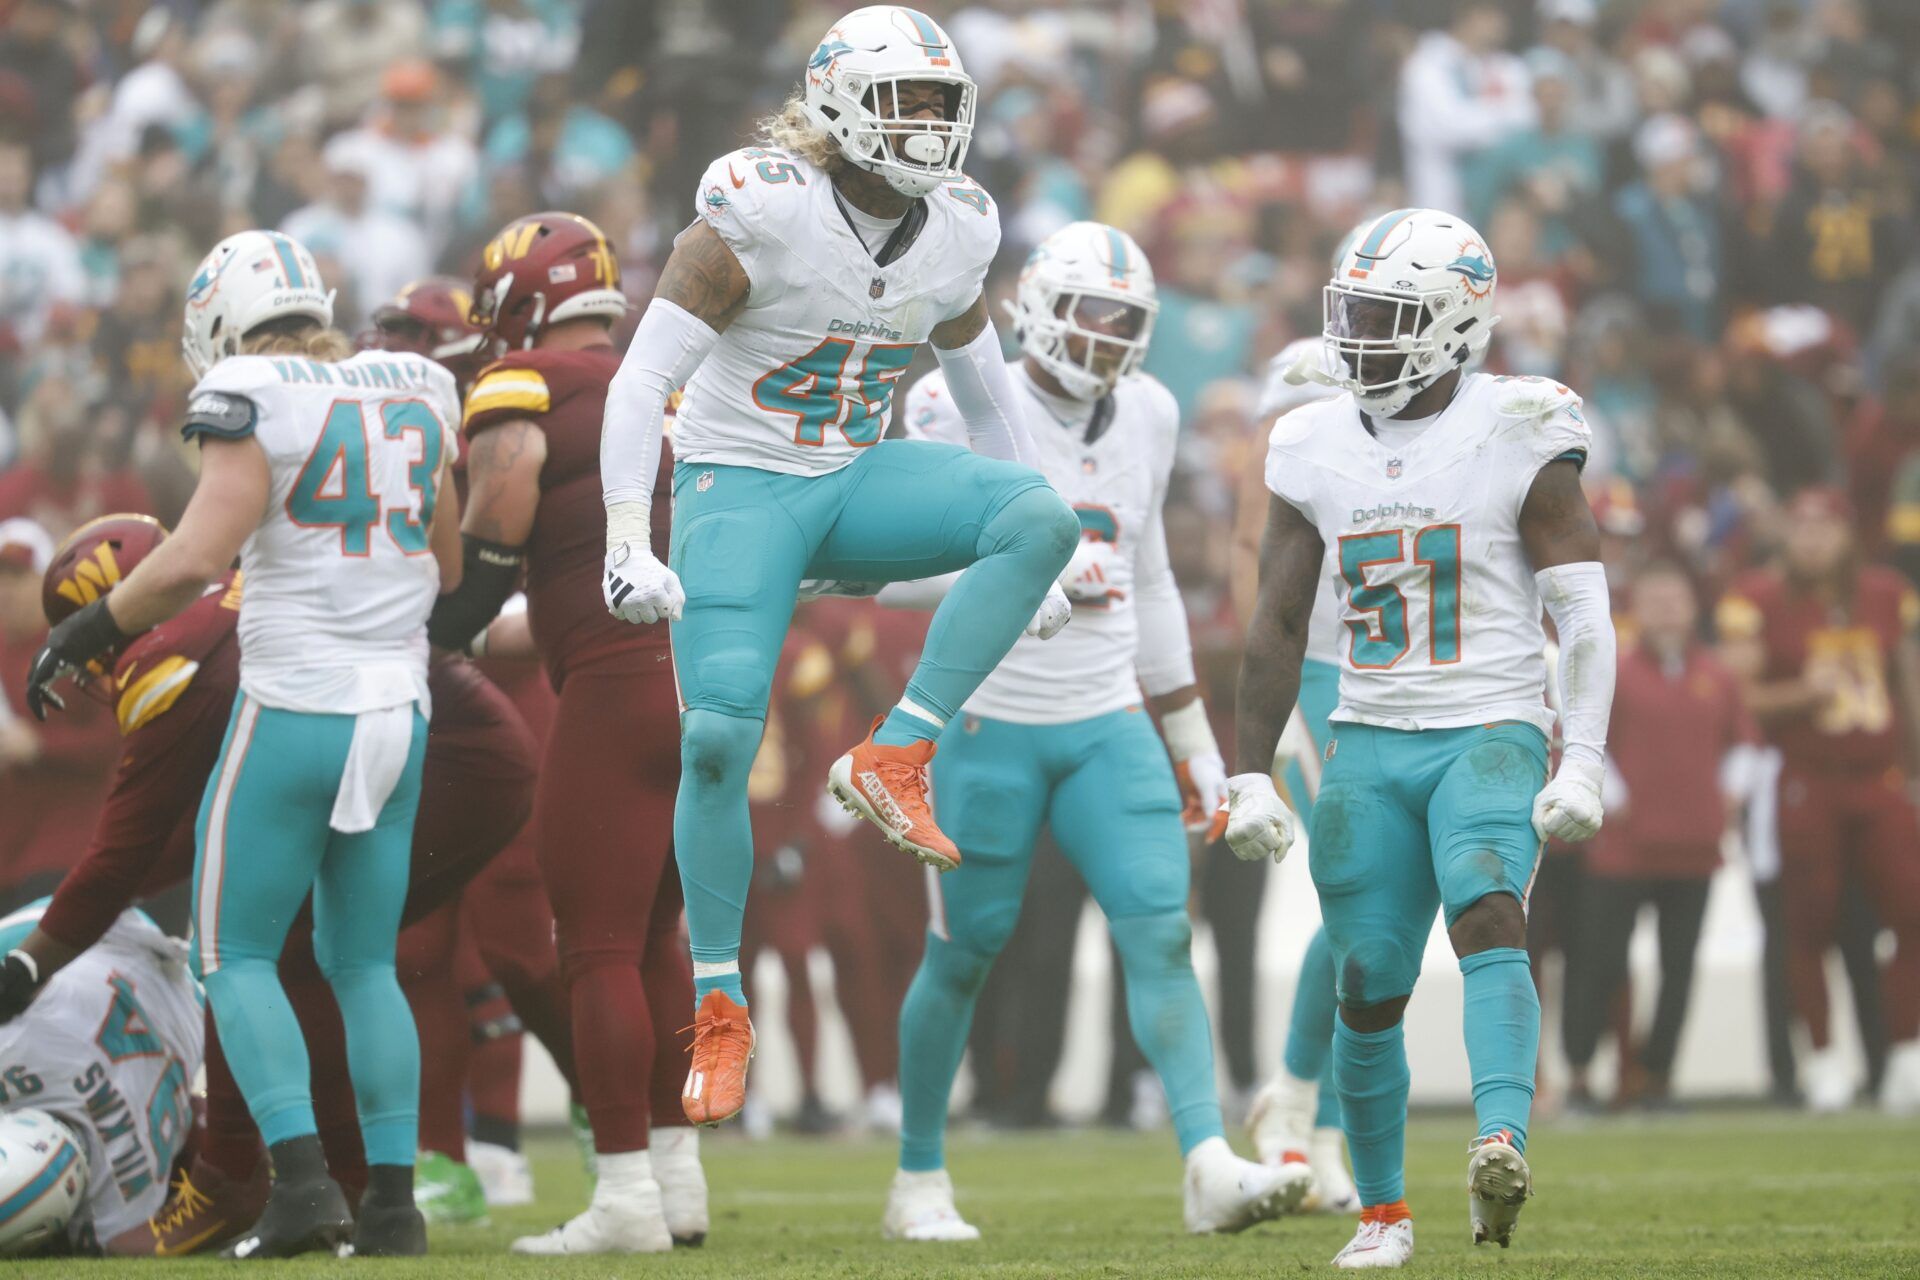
{"x":542,"y":269}
{"x":429,"y":318}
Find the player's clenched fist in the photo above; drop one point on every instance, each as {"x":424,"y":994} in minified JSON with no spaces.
{"x":638,"y":588}
{"x":1568,"y":808}
{"x":1259,"y":823}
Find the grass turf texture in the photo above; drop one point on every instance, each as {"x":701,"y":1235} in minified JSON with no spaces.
{"x":1746,"y":1194}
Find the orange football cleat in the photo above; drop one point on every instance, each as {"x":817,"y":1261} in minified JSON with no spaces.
{"x":722,"y":1046}
{"x":888,"y":787}
{"x":204,"y":1210}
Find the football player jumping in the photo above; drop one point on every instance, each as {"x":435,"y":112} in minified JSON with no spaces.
{"x":547,"y":295}
{"x":1452,"y":503}
{"x":1055,"y":736}
{"x":816,"y":267}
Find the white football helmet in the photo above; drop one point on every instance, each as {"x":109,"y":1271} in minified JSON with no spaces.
{"x":43,"y":1180}
{"x":852,"y":94}
{"x":1086,"y":273}
{"x":249,"y":278}
{"x":1411,"y":299}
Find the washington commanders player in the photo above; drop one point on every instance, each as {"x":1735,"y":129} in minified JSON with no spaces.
{"x":547,"y":295}
{"x":173,"y":690}
{"x":1825,"y":647}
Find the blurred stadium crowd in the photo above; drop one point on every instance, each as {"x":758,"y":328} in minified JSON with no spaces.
{"x":1703,"y":213}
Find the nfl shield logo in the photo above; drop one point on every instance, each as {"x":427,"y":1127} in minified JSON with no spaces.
{"x":1393,"y":468}
{"x":704,"y":483}
{"x":878,"y":288}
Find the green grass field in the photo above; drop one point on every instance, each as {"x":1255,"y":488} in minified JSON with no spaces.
{"x":1736,"y":1194}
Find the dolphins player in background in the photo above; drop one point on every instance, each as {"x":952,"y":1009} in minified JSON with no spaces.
{"x":109,"y":1049}
{"x":816,"y":267}
{"x":1055,"y":736}
{"x":1451,"y":501}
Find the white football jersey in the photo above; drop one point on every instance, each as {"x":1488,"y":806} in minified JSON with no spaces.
{"x":1436,"y":596}
{"x":340,"y":576}
{"x":803,"y":378}
{"x":1278,"y":396}
{"x":112,"y":1046}
{"x":1117,"y":485}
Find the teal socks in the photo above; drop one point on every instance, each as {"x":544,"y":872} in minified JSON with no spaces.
{"x":1502,"y":1018}
{"x":1370,"y":1068}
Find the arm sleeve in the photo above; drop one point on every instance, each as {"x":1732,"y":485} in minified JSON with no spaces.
{"x":668,"y":346}
{"x":983,"y":394}
{"x":1163,"y":653}
{"x":1576,"y":599}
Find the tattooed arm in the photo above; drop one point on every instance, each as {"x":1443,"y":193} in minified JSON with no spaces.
{"x":503,"y":496}
{"x":704,"y":278}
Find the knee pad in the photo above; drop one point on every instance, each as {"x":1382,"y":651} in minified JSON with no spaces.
{"x":1038,"y":518}
{"x":717,"y":750}
{"x":1376,"y":969}
{"x":961,"y":968}
{"x":1159,"y":943}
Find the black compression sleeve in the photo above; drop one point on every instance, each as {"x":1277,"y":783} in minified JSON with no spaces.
{"x":490,"y":574}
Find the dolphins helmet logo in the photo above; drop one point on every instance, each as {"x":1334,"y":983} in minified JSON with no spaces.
{"x":1474,"y":266}
{"x":207,"y":282}
{"x":826,"y":55}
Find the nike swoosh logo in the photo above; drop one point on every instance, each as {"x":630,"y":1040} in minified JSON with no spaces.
{"x":161,"y":1249}
{"x":738,"y":181}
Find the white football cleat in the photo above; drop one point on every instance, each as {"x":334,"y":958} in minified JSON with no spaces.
{"x":1498,"y":1184}
{"x":683,"y":1182}
{"x":635,"y":1223}
{"x":1334,"y":1191}
{"x":506,"y":1179}
{"x":1377,"y":1244}
{"x":1830,"y":1081}
{"x":920,"y":1208}
{"x":1225,"y":1193}
{"x":1280,"y":1119}
{"x":1900,"y":1087}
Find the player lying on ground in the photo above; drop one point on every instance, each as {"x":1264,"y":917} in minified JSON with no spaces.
{"x":546,"y":297}
{"x":1451,"y":502}
{"x":319,"y":780}
{"x":817,"y":266}
{"x":96,"y":1083}
{"x":1056,"y":737}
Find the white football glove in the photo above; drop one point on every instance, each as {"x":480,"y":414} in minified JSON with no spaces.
{"x":1088,"y":577}
{"x":1259,"y":824}
{"x":1569,"y":808}
{"x":638,"y":588}
{"x":1052,"y":615}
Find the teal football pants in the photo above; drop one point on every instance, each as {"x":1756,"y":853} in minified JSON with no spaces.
{"x":262,"y":844}
{"x":1407,"y":824}
{"x":742,"y":541}
{"x":1105,"y":788}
